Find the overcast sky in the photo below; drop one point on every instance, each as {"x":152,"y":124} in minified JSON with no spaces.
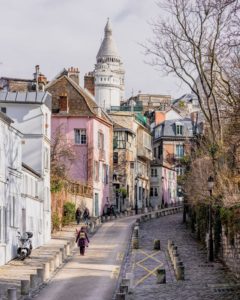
{"x":63,"y":33}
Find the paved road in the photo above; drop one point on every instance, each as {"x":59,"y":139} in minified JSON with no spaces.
{"x":93,"y":276}
{"x":204,"y":281}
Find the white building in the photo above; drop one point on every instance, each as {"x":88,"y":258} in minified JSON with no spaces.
{"x":10,"y":187}
{"x":31,"y":113}
{"x":109,"y":73}
{"x":32,"y":201}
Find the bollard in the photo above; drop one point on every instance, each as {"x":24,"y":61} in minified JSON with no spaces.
{"x":12,"y":294}
{"x":46,"y":267}
{"x":92,"y":227}
{"x":180,"y":272}
{"x":52,"y":264}
{"x":161,"y":276}
{"x":156,"y":245}
{"x":68,"y":249}
{"x":40,"y":274}
{"x":170,"y":245}
{"x":123,"y":289}
{"x":25,"y":287}
{"x":120,"y":296}
{"x":129,"y":276}
{"x":33,"y":281}
{"x":61,"y":256}
{"x":57,"y":261}
{"x":126,"y":281}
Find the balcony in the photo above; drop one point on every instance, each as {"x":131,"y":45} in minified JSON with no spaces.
{"x":144,"y":153}
{"x":127,"y":108}
{"x":155,"y":179}
{"x":102,"y":155}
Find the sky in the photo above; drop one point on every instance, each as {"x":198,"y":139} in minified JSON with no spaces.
{"x":58,"y":34}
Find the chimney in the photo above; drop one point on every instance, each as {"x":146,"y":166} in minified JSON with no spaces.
{"x":40,"y":79}
{"x":73,"y":73}
{"x":89,"y":82}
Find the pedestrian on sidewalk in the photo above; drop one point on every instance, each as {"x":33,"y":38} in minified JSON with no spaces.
{"x":86,"y":215}
{"x":78,"y":215}
{"x":82,"y":240}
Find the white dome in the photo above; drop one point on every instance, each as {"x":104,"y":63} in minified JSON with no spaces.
{"x":108,"y":47}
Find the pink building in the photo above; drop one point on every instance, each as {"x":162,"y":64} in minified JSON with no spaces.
{"x":89,"y":131}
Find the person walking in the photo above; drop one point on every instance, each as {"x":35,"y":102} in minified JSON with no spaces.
{"x":82,"y":240}
{"x":86,"y":215}
{"x":78,"y":215}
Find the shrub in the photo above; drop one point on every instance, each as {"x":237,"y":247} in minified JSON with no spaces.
{"x":68,"y":213}
{"x":56,"y":222}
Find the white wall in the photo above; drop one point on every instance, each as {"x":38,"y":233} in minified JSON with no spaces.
{"x":10,"y":193}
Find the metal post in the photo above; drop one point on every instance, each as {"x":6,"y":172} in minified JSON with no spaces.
{"x":210,"y":252}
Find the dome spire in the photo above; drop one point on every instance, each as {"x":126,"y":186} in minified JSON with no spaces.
{"x":108,"y":28}
{"x":108,"y":47}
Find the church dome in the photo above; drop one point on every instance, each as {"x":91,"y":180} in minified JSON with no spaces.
{"x":108,"y":49}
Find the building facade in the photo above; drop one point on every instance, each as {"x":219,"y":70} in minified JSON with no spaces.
{"x":88,"y":131}
{"x":31,"y":113}
{"x":131,"y":160}
{"x":163,"y":191}
{"x":10,"y":187}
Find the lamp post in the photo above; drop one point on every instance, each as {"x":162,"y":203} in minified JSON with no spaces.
{"x":136,"y":195}
{"x":163,"y":200}
{"x":210,"y":241}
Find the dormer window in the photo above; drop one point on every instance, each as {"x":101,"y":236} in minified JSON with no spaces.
{"x":179,"y":129}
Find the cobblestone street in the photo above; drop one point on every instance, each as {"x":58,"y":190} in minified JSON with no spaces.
{"x":203,"y":280}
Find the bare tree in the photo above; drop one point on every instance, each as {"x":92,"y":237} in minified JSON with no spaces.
{"x":190,"y":43}
{"x":199,"y":42}
{"x":62,"y":157}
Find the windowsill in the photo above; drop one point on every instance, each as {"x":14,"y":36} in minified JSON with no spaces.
{"x":3,"y":244}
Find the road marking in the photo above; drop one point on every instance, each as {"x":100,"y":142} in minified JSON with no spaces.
{"x":115,"y":273}
{"x":120,"y":256}
{"x":149,"y":272}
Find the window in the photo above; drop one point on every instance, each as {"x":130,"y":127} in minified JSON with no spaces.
{"x":120,"y":139}
{"x":153,"y":172}
{"x":159,"y":151}
{"x":115,"y":157}
{"x":46,"y":124}
{"x":12,"y":215}
{"x":46,"y":158}
{"x":179,"y":170}
{"x":151,"y":192}
{"x":179,"y":129}
{"x":80,"y":136}
{"x":147,"y":141}
{"x":100,"y":140}
{"x":179,"y":151}
{"x":156,"y":191}
{"x":106,"y":174}
{"x":155,"y":152}
{"x":96,"y":171}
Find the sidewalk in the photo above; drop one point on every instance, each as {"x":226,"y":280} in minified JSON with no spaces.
{"x":203,"y":280}
{"x":28,"y":275}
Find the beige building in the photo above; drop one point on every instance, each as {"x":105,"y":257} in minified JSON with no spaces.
{"x":132,"y":155}
{"x":148,"y":102}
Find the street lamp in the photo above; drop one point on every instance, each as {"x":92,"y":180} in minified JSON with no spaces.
{"x":136,"y":195}
{"x":210,"y":241}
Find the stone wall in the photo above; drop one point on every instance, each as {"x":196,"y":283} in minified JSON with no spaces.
{"x":231,"y":252}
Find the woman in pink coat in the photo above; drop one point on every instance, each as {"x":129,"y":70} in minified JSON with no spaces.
{"x":82,"y":240}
